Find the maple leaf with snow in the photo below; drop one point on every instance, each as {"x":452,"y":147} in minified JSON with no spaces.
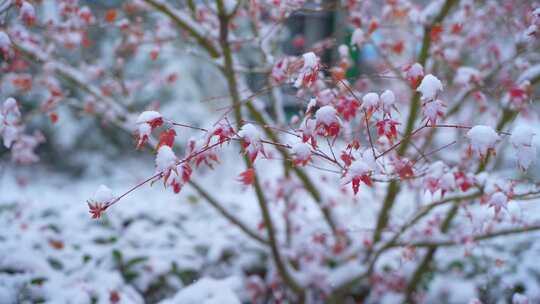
{"x":432,"y":110}
{"x":199,"y":151}
{"x":102,"y":199}
{"x":414,"y":74}
{"x":223,"y":131}
{"x":309,"y":131}
{"x":165,"y":160}
{"x":251,"y":141}
{"x":166,"y":138}
{"x":302,"y":153}
{"x":463,"y":181}
{"x":347,"y":107}
{"x":438,"y":178}
{"x":429,"y":87}
{"x":359,"y":171}
{"x":387,"y":128}
{"x":146,"y":123}
{"x":404,"y":168}
{"x":370,"y":103}
{"x":309,"y":72}
{"x":387,"y":101}
{"x":482,"y":140}
{"x":180,"y":176}
{"x":328,"y":123}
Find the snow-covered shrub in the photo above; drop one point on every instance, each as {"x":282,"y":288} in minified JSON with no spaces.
{"x":402,"y":177}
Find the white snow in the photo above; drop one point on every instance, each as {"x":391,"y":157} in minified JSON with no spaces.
{"x":433,"y":109}
{"x":370,"y":101}
{"x":326,"y":115}
{"x":498,"y":201}
{"x":144,"y":130}
{"x":358,"y":168}
{"x":522,"y":141}
{"x":209,"y":291}
{"x":387,"y":99}
{"x":429,"y":87}
{"x":414,"y":71}
{"x":165,"y":159}
{"x":148,"y":116}
{"x":103,"y":194}
{"x":466,"y":76}
{"x":301,"y":150}
{"x":250,"y":133}
{"x":482,"y":139}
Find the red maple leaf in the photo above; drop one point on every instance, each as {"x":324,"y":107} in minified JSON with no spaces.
{"x":166,"y":138}
{"x":247,"y":177}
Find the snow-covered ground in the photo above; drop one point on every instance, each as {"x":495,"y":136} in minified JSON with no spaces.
{"x":50,"y":248}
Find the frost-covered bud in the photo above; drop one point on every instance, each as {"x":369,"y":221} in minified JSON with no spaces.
{"x":429,"y":87}
{"x":483,"y":140}
{"x":522,"y":141}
